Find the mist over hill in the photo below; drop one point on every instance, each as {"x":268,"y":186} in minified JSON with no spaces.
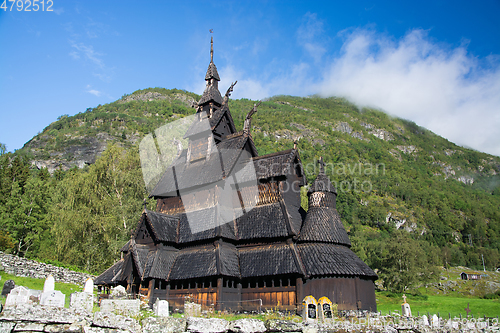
{"x":73,"y":193}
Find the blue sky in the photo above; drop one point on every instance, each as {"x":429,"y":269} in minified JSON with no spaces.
{"x":434,"y":62}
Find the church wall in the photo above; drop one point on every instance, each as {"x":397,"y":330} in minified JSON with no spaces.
{"x":344,"y":291}
{"x":366,"y":294}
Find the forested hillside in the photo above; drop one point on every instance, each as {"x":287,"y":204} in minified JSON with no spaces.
{"x":409,"y":199}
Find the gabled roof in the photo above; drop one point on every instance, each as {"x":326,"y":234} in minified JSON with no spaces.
{"x":159,"y":263}
{"x":329,"y":259}
{"x":164,"y":227}
{"x":112,"y":275}
{"x":181,"y":175}
{"x":265,"y":221}
{"x":277,"y":164}
{"x":323,"y":224}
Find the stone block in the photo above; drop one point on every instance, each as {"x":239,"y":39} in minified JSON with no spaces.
{"x":6,"y":327}
{"x":205,"y":325}
{"x":247,"y":325}
{"x":114,"y":321}
{"x":277,"y":325}
{"x":29,"y":326}
{"x":164,"y":324}
{"x":82,"y":301}
{"x":121,"y":306}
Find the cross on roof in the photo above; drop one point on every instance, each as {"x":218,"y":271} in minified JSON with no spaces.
{"x":321,"y":166}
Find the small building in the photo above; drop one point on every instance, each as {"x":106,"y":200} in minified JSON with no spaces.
{"x":470,"y":276}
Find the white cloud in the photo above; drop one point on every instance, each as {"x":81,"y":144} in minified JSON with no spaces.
{"x":445,"y":90}
{"x":308,"y":35}
{"x":88,"y":52}
{"x":93,"y":91}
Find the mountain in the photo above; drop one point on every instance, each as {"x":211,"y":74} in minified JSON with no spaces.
{"x":391,"y":174}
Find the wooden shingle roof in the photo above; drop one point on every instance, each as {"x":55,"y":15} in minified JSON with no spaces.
{"x":268,"y":260}
{"x":322,"y":259}
{"x":323,"y":224}
{"x":110,"y":276}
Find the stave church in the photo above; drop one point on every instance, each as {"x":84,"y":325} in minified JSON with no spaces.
{"x":229,"y":232}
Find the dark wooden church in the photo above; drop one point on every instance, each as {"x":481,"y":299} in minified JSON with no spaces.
{"x":240,"y":244}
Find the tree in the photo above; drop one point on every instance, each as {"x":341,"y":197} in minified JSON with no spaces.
{"x":405,"y":264}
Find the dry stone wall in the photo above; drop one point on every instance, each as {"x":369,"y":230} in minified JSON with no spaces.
{"x":30,"y":268}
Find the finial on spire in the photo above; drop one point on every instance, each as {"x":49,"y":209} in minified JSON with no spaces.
{"x":295,"y":143}
{"x":145,"y":203}
{"x":321,"y":166}
{"x":212,"y":49}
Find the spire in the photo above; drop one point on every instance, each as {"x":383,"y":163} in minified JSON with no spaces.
{"x":211,"y":49}
{"x":211,"y":93}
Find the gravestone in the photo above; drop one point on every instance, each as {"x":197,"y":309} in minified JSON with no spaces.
{"x":160,"y":308}
{"x":89,"y":286}
{"x":82,"y":300}
{"x":425,"y":320}
{"x":7,"y":287}
{"x":49,"y":284}
{"x":53,"y":298}
{"x":435,"y":321}
{"x":310,"y":307}
{"x":325,"y":308}
{"x":405,"y":308}
{"x":17,"y":296}
{"x":192,"y":309}
{"x":118,"y":292}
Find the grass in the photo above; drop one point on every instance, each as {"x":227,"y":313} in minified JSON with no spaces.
{"x":441,"y":304}
{"x":37,"y":284}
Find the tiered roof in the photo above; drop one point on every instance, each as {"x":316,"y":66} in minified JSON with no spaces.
{"x":271,"y":238}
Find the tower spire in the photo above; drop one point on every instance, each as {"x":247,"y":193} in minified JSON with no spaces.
{"x":212,"y":49}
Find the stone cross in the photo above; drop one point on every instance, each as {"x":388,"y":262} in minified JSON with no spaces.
{"x":467,"y":310}
{"x":49,"y":284}
{"x":404,"y":298}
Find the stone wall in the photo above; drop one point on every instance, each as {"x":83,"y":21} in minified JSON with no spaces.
{"x":30,"y":268}
{"x":36,"y":318}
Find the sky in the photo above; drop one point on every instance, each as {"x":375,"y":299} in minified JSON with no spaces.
{"x":436,"y":63}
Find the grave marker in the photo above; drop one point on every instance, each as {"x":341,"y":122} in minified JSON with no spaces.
{"x":160,"y":308}
{"x":53,"y":298}
{"x":49,"y":284}
{"x":325,"y":308}
{"x":7,"y":287}
{"x":17,"y":296}
{"x":310,"y":306}
{"x":89,"y":286}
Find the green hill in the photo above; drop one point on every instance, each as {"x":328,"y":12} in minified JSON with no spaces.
{"x":402,"y":189}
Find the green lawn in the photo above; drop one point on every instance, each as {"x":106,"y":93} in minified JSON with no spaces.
{"x":37,"y":284}
{"x":439,"y":304}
